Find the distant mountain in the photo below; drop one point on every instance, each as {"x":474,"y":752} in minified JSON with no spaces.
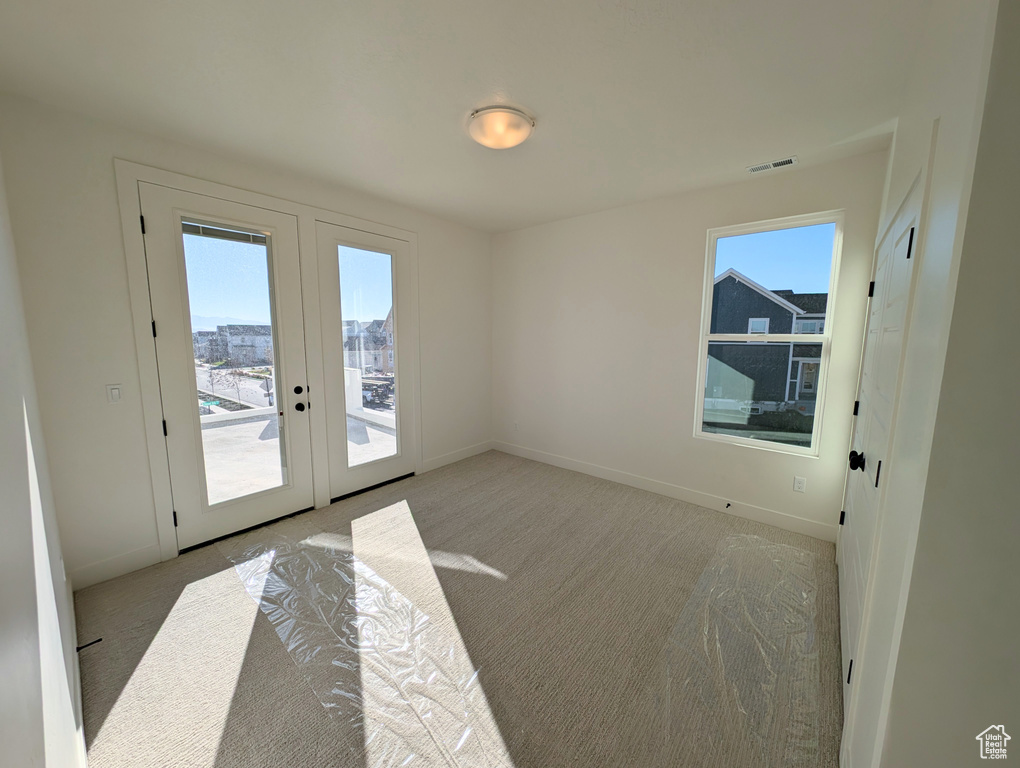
{"x":205,"y":323}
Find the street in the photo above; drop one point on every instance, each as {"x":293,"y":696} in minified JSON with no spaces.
{"x":236,"y":386}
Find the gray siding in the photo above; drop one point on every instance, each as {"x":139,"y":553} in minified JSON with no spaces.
{"x":734,"y":302}
{"x":766,"y":365}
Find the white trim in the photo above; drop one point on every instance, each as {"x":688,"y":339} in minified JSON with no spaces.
{"x":118,"y":565}
{"x":453,"y":456}
{"x":758,"y":333}
{"x":761,"y":444}
{"x":773,"y":338}
{"x":148,"y":372}
{"x":789,"y":372}
{"x":823,"y":531}
{"x":742,"y":278}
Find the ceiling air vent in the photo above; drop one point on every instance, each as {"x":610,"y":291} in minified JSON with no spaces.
{"x":792,"y":160}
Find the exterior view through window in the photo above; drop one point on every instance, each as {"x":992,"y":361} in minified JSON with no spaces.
{"x":767,"y":335}
{"x":366,"y":309}
{"x":230,"y":297}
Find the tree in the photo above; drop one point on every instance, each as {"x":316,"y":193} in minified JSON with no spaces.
{"x":228,"y":379}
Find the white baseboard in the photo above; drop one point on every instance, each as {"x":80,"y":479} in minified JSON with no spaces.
{"x":112,"y":567}
{"x":782,"y":520}
{"x":448,"y":458}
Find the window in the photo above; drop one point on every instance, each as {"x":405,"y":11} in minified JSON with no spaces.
{"x":768,"y":286}
{"x":814,"y":325}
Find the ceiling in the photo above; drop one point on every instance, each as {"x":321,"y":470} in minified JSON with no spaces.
{"x":634,"y":98}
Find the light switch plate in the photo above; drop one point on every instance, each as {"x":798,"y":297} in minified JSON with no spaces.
{"x":114,"y":393}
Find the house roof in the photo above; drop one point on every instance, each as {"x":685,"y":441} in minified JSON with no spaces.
{"x":807,"y":350}
{"x":771,"y":295}
{"x":811,"y":303}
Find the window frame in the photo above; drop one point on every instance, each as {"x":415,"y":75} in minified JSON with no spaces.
{"x":751,"y":320}
{"x":824,"y":338}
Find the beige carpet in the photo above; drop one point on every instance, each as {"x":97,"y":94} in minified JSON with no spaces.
{"x":493,"y":612}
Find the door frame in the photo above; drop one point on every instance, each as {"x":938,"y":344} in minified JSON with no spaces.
{"x":914,"y":205}
{"x":852,"y":704}
{"x":128,"y":175}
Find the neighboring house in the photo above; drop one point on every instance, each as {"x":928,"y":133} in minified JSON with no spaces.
{"x":237,"y":345}
{"x":369,"y":346}
{"x":774,"y":372}
{"x":204,"y":342}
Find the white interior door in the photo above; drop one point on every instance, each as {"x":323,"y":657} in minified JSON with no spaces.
{"x":225,"y":292}
{"x":370,"y":344}
{"x":877,"y":396}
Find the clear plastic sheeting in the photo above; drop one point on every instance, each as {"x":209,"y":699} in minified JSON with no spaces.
{"x":737,"y":682}
{"x":366,"y":622}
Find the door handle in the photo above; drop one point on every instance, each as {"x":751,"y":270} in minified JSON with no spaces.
{"x":299,"y":407}
{"x":856,"y":461}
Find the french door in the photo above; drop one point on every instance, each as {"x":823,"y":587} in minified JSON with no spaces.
{"x":225,"y":292}
{"x":369,"y":355}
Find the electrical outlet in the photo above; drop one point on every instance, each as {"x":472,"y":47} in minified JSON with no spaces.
{"x":517,"y":427}
{"x":799,"y":484}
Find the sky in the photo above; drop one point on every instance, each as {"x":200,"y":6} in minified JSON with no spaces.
{"x":366,"y":289}
{"x":798,"y":259}
{"x":230,"y":280}
{"x":227,"y":279}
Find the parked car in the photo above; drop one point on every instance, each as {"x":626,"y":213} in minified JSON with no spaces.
{"x":376,"y":390}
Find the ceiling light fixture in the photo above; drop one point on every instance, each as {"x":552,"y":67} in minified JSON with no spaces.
{"x":500,"y":127}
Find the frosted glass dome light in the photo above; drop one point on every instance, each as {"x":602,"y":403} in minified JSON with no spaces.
{"x":500,"y":127}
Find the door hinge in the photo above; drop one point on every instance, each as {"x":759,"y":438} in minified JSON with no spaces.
{"x":910,"y":244}
{"x":142,"y":220}
{"x":153,"y":329}
{"x":164,"y":428}
{"x":878,"y":473}
{"x":857,"y":406}
{"x":842,"y":517}
{"x":871,"y":289}
{"x":175,"y":518}
{"x":850,"y":671}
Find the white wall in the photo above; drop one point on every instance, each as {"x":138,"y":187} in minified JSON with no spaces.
{"x":66,"y":224}
{"x":958,"y":670}
{"x":40,"y":718}
{"x":596,"y":324}
{"x":947,"y":83}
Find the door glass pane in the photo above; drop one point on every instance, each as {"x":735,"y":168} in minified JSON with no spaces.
{"x":230,"y":294}
{"x":764,"y":391}
{"x":366,"y":309}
